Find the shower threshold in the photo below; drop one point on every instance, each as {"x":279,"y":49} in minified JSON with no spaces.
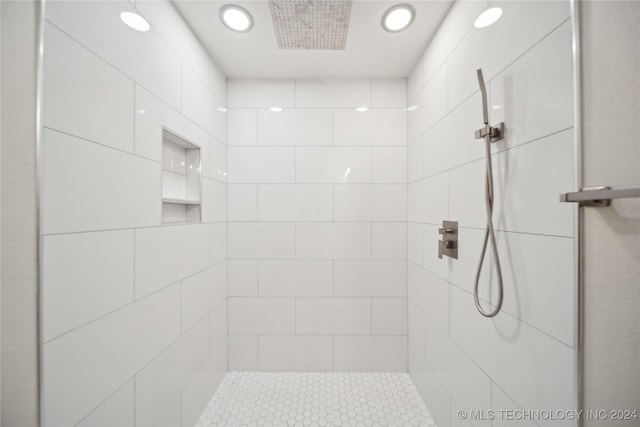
{"x":328,"y":399}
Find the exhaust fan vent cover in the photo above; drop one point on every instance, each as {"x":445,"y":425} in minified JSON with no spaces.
{"x":311,"y":24}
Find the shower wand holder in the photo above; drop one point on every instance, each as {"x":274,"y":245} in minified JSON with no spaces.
{"x":496,"y":133}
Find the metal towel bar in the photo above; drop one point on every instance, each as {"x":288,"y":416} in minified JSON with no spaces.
{"x":599,"y":196}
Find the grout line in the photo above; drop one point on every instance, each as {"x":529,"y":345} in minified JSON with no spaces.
{"x":120,"y":387}
{"x":407,"y":172}
{"x":257,"y":187}
{"x":450,"y":310}
{"x":211,"y":241}
{"x":257,"y":118}
{"x":310,"y":335}
{"x":333,"y":203}
{"x":257,"y":352}
{"x":226,"y":336}
{"x":371,"y":240}
{"x":333,"y":278}
{"x":257,"y":261}
{"x":181,"y":85}
{"x":460,"y":288}
{"x":448,"y":194}
{"x":445,"y":61}
{"x":133,"y":377}
{"x":371,"y":165}
{"x":135,"y":400}
{"x":295,"y":164}
{"x":315,"y":108}
{"x":446,"y":84}
{"x":295,"y":240}
{"x":100,"y":144}
{"x":371,"y":314}
{"x":133,"y":232}
{"x":129,"y":304}
{"x":210,"y":331}
{"x":322,"y":259}
{"x":177,"y":53}
{"x":180,"y":308}
{"x":494,"y":154}
{"x":172,"y":107}
{"x":148,"y":227}
{"x":82,"y":138}
{"x":333,"y":356}
{"x":353,"y":183}
{"x":333,"y":127}
{"x":358,"y":297}
{"x":135,"y":122}
{"x":181,"y":406}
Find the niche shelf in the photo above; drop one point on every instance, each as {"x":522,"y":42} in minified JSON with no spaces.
{"x":181,"y":180}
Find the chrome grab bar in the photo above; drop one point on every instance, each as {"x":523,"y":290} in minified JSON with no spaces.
{"x":599,"y":196}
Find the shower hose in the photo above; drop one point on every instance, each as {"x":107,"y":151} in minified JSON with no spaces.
{"x":489,"y":234}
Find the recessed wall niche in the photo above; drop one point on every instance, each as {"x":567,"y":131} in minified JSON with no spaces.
{"x":181,"y":182}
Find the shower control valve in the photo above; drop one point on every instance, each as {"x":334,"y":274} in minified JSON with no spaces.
{"x":449,"y":244}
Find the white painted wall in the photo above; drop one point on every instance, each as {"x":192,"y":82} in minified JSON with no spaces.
{"x":524,"y":357}
{"x":134,"y":313}
{"x":19,"y":234}
{"x":317,"y":225}
{"x":611,"y":98}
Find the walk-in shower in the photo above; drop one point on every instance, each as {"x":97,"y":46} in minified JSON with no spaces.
{"x":254,"y":208}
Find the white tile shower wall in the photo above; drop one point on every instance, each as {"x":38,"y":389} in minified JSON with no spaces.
{"x":135,"y":313}
{"x":523,"y":358}
{"x":317,"y":225}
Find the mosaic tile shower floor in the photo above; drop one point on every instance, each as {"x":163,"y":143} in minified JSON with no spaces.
{"x":327,"y":399}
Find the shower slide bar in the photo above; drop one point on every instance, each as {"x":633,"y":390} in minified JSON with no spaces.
{"x":599,"y":196}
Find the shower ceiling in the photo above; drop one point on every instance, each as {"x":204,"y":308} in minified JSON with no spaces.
{"x":369,"y":51}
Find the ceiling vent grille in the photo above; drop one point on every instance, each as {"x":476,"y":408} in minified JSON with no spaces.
{"x":311,"y":24}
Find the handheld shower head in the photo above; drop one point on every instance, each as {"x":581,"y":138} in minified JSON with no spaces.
{"x":489,"y":134}
{"x":483,"y":89}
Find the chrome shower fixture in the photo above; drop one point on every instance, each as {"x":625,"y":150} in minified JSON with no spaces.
{"x":494,"y":133}
{"x":489,"y":134}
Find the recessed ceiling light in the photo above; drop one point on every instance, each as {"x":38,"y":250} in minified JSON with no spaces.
{"x":411,"y":108}
{"x":488,"y":17}
{"x":276,"y":109}
{"x":135,"y":21}
{"x":362,"y":109}
{"x":222,"y":109}
{"x":236,"y":18}
{"x":398,"y":17}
